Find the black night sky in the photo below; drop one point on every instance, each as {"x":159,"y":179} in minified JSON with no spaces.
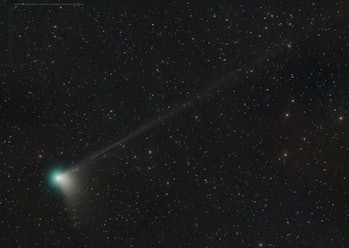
{"x":234,"y":116}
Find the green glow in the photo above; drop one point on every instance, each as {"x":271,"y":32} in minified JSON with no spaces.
{"x":54,"y":177}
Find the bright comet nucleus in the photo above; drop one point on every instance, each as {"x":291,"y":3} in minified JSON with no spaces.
{"x":66,"y":182}
{"x":60,"y":179}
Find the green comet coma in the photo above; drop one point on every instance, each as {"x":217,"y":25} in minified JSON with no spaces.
{"x":54,"y":178}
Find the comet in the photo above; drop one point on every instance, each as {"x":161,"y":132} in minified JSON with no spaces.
{"x":65,"y":180}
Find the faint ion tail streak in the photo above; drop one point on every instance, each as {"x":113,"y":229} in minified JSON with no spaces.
{"x":190,"y":102}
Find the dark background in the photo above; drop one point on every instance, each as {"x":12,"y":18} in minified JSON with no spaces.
{"x":260,"y":162}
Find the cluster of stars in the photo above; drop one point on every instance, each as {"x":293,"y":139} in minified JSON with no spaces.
{"x":256,"y":160}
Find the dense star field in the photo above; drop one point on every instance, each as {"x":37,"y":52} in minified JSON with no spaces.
{"x":232,"y":115}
